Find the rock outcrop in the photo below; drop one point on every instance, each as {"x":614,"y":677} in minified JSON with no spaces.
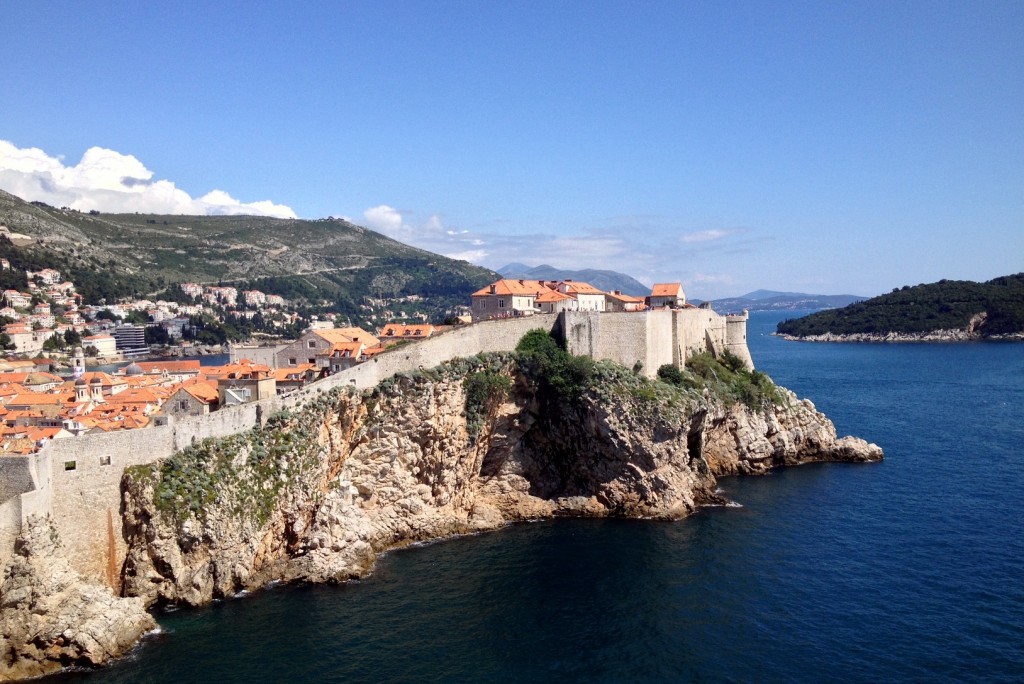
{"x":51,"y":618}
{"x":362,"y":474}
{"x":318,"y":493}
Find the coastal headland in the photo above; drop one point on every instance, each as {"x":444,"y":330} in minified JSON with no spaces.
{"x":446,"y":437}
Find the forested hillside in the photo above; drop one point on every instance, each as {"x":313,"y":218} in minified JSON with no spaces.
{"x":325,"y":263}
{"x":945,"y":305}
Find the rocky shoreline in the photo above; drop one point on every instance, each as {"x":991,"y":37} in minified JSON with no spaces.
{"x":934,"y":336}
{"x":318,"y":494}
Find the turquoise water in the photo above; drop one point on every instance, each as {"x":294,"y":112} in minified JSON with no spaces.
{"x":909,"y":570}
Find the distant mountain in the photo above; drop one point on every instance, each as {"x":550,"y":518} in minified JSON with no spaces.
{"x":771,"y":294}
{"x":768,"y":300}
{"x":980,"y":309}
{"x":602,"y":280}
{"x":327,"y":263}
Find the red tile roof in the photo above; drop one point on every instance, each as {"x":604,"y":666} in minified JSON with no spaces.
{"x":666,"y":289}
{"x":508,"y":286}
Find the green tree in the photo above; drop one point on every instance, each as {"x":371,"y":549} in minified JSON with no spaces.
{"x":72,"y":338}
{"x":136,"y":317}
{"x":55,"y":343}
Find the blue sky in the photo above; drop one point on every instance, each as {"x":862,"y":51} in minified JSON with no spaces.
{"x":819,"y":147}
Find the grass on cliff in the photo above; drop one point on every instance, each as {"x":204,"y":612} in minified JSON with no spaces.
{"x":246,"y":473}
{"x":727,"y":378}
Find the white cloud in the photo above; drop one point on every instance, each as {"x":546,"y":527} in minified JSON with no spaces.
{"x":710,"y":278}
{"x":706,"y":235}
{"x":109,"y":181}
{"x":384,"y":219}
{"x":640,"y":248}
{"x":474,"y":256}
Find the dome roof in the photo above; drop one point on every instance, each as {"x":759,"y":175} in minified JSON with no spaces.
{"x":96,"y":380}
{"x":80,"y":382}
{"x":133,"y":369}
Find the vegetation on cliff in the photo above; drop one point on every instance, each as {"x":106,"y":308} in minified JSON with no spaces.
{"x":247,"y":473}
{"x":945,"y":305}
{"x":727,"y":378}
{"x":469,"y":445}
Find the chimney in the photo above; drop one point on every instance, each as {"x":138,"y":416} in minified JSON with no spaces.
{"x":521,"y":282}
{"x":493,"y":289}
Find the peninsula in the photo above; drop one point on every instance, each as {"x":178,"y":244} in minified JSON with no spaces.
{"x":949,"y":310}
{"x":469,"y":430}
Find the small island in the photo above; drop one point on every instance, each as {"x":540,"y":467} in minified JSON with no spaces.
{"x":949,"y":310}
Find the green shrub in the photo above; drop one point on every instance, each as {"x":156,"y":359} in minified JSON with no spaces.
{"x":485,"y":390}
{"x":671,"y":374}
{"x":555,"y":370}
{"x":732,"y":382}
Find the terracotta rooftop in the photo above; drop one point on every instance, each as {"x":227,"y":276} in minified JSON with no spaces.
{"x":340,"y":335}
{"x":189,"y":366}
{"x":666,"y":289}
{"x":551,"y":296}
{"x":579,"y":287}
{"x":509,"y":286}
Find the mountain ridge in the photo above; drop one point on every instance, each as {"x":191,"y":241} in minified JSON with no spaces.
{"x":325,"y":260}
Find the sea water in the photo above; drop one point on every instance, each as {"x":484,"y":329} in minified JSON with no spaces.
{"x":907,"y":570}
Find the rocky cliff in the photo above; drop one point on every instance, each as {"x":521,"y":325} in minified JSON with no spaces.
{"x":318,"y":494}
{"x":51,"y":617}
{"x":472,"y":445}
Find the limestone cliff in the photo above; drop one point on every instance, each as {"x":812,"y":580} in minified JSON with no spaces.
{"x":50,"y":617}
{"x":318,"y":494}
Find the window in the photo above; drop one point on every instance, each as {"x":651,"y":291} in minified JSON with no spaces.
{"x":311,"y":344}
{"x":291,"y":361}
{"x":312,"y":359}
{"x":183,"y":404}
{"x":104,"y":460}
{"x":501,"y":303}
{"x":70,"y":465}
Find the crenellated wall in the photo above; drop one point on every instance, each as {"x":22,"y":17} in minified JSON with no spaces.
{"x":78,"y":480}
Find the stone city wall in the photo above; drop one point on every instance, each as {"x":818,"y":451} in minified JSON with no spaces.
{"x":15,"y":476}
{"x":653,"y":338}
{"x":78,"y":480}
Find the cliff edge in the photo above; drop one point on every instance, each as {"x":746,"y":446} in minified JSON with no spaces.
{"x":475,"y":444}
{"x":472,"y":445}
{"x":51,"y":617}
